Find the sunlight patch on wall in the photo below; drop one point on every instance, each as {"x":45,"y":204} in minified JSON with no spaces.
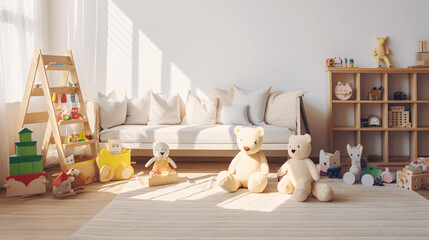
{"x":150,"y":65}
{"x":119,"y":51}
{"x":179,"y":82}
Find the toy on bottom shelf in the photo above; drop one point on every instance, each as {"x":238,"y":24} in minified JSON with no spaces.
{"x":381,"y":52}
{"x":299,"y":175}
{"x":354,"y":174}
{"x":25,"y":168}
{"x":161,"y":172}
{"x":249,"y":168}
{"x":115,"y":162}
{"x":62,"y":185}
{"x":375,"y":93}
{"x":330,"y":163}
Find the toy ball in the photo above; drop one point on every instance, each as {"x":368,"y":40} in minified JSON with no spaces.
{"x":330,"y":62}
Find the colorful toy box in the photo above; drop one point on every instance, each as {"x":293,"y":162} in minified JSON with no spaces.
{"x":115,"y":166}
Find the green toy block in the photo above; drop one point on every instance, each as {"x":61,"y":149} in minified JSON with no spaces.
{"x":20,"y":165}
{"x":373,"y":171}
{"x":25,"y":135}
{"x":26,"y":148}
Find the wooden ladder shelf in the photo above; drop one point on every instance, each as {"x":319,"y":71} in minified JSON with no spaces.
{"x":42,"y":63}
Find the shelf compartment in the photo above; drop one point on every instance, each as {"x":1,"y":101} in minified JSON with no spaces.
{"x":368,"y":82}
{"x":343,"y":115}
{"x":423,"y":86}
{"x":399,"y":82}
{"x":422,"y":146}
{"x":341,"y":139}
{"x":351,"y":79}
{"x":399,"y":146}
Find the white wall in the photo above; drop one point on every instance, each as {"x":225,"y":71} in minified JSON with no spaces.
{"x":171,"y":46}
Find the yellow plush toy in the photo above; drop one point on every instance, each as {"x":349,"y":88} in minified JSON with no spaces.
{"x":249,"y":168}
{"x":299,"y":175}
{"x":381,"y":52}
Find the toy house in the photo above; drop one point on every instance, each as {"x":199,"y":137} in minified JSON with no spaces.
{"x":398,"y":117}
{"x":26,"y":168}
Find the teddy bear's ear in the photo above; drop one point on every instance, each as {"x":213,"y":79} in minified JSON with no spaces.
{"x":237,"y":129}
{"x":154,"y":144}
{"x":307,"y":138}
{"x":260,"y":130}
{"x":291,"y":138}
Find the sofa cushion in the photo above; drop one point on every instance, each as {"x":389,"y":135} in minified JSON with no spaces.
{"x":256,"y":100}
{"x":186,"y":134}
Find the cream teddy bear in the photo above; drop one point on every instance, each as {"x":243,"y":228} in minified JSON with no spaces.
{"x":299,"y":174}
{"x":249,"y":168}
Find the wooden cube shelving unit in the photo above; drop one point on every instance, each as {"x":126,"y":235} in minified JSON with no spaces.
{"x":359,"y":99}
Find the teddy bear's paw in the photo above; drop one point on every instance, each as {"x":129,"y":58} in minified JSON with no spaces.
{"x":300,"y":195}
{"x":257,"y":182}
{"x":323,"y":192}
{"x":226,"y":181}
{"x":285,"y":187}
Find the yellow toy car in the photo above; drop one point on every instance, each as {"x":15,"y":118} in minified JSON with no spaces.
{"x":115,"y":166}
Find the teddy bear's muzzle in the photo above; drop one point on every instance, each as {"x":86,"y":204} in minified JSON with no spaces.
{"x":246,"y":148}
{"x":293,"y":150}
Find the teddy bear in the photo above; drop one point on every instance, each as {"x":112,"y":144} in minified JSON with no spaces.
{"x":381,"y":52}
{"x":299,"y":175}
{"x":161,"y":160}
{"x":249,"y":168}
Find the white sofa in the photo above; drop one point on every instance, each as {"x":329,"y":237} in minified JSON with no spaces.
{"x":209,"y":140}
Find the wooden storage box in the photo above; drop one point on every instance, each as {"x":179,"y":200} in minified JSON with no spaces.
{"x":412,"y":181}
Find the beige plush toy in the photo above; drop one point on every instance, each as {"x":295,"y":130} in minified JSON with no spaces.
{"x":249,"y":168}
{"x":299,"y":175}
{"x":381,"y":52}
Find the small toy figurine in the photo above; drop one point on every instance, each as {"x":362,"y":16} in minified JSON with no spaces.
{"x":38,"y":85}
{"x":334,"y":62}
{"x":375,"y":93}
{"x":352,"y":63}
{"x":75,"y":113}
{"x":381,"y":52}
{"x":354,"y":174}
{"x":161,"y":172}
{"x":330,"y":163}
{"x":114,"y":146}
{"x":345,"y":62}
{"x":388,"y":176}
{"x":399,"y":96}
{"x":62,"y":184}
{"x":70,"y":160}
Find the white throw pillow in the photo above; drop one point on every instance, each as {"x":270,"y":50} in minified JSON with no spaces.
{"x":235,"y":115}
{"x":138,"y":110}
{"x":256,"y":101}
{"x":282,"y":109}
{"x":113,"y":110}
{"x":200,"y":111}
{"x":164,"y":111}
{"x":224,"y":98}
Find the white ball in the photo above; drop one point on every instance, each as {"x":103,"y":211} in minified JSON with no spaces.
{"x":367,"y":180}
{"x":349,"y":178}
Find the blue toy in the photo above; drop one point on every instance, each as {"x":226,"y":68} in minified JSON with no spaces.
{"x":334,"y":172}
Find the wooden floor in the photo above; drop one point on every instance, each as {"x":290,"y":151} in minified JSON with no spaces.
{"x":45,"y":217}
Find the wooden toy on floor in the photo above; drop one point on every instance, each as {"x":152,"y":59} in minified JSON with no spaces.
{"x":330,"y":163}
{"x":412,"y":181}
{"x":25,"y":168}
{"x":88,"y":173}
{"x":354,"y":174}
{"x":161,"y":172}
{"x":115,"y":162}
{"x":381,"y":52}
{"x":62,"y":185}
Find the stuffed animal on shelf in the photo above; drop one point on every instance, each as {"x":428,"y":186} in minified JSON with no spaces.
{"x":381,"y":52}
{"x":330,"y":163}
{"x":299,"y":175}
{"x":62,"y":184}
{"x":249,"y":168}
{"x":161,"y":172}
{"x":354,"y":174}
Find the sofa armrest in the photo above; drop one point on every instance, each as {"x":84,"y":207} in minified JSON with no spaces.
{"x":92,"y":112}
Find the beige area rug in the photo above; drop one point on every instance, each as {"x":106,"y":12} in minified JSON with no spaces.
{"x":198,"y":209}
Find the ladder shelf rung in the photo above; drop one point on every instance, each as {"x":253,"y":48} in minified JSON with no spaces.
{"x":73,"y":121}
{"x":60,"y":67}
{"x":47,"y":59}
{"x":57,"y":90}
{"x":77,"y":144}
{"x":36,"y":117}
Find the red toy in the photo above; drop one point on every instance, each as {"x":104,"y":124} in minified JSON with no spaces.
{"x":75,"y":114}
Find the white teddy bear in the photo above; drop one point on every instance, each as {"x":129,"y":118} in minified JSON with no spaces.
{"x":161,"y":160}
{"x":249,"y":168}
{"x":299,"y":174}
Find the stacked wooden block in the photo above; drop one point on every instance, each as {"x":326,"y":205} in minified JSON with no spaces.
{"x":412,"y":181}
{"x":26,"y":168}
{"x":422,"y":57}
